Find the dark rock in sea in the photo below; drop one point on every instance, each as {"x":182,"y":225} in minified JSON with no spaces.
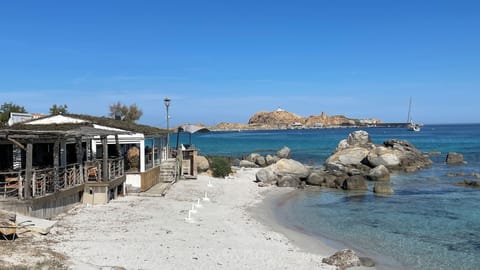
{"x":454,"y":158}
{"x":367,"y":262}
{"x":379,"y":173}
{"x":382,"y":188}
{"x":434,"y":153}
{"x":356,"y":182}
{"x":469,"y":183}
{"x":283,"y":153}
{"x":343,"y":259}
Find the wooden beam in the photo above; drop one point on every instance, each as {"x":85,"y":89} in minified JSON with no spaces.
{"x":105,"y":158}
{"x":28,"y":170}
{"x":17,"y":143}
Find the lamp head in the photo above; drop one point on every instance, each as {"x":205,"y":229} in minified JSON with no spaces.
{"x":166,"y":100}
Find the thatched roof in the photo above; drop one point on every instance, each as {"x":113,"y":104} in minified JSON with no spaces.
{"x":85,"y":128}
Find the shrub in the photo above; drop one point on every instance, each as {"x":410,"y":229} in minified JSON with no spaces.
{"x":220,"y":166}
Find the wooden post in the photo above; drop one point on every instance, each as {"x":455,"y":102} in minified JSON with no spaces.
{"x":63,"y":153}
{"x":117,"y":144}
{"x":79,"y":152}
{"x":105,"y":158}
{"x":28,"y":170}
{"x":34,"y":184}
{"x":56,"y":163}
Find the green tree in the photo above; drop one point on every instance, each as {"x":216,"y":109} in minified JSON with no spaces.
{"x":58,"y":109}
{"x":126,"y":113}
{"x":6,"y":109}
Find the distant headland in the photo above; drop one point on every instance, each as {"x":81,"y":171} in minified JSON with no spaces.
{"x":281,"y":119}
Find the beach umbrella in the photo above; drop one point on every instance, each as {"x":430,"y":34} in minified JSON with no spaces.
{"x":190,"y":129}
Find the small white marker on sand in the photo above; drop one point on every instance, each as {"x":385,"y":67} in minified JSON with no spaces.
{"x":189,"y":217}
{"x":198,"y":205}
{"x":206,"y":197}
{"x":194,"y":211}
{"x":209,"y":183}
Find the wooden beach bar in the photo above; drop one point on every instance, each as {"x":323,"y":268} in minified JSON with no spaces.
{"x":48,"y":165}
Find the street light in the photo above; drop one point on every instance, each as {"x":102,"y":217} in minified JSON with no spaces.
{"x":166,"y":101}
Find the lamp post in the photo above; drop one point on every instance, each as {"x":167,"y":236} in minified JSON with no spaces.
{"x":166,"y":101}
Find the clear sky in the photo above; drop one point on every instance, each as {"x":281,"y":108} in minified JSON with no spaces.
{"x":225,"y":60}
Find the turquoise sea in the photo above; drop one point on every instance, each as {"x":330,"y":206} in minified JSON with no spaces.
{"x":429,"y":223}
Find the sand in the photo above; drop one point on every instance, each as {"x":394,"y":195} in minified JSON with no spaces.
{"x":136,"y":232}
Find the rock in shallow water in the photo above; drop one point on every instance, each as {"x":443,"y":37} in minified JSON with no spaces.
{"x":343,"y":259}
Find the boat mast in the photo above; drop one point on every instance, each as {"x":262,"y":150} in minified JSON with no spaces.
{"x":409,"y":119}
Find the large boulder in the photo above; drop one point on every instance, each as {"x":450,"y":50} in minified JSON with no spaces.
{"x":343,"y":259}
{"x":285,"y":152}
{"x":271,"y":159}
{"x":359,"y":138}
{"x":260,"y":161}
{"x":356,"y":182}
{"x":349,"y":156}
{"x":202,"y":164}
{"x":247,"y":164}
{"x":252,"y":157}
{"x":379,"y":173}
{"x":454,"y":158}
{"x":286,"y":172}
{"x":267,"y":175}
{"x":288,"y":181}
{"x":383,"y":156}
{"x":316,"y":179}
{"x":291,"y":167}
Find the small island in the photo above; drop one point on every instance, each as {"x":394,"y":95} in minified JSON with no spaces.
{"x":281,"y":119}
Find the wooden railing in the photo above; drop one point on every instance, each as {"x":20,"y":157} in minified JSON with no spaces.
{"x":45,"y":181}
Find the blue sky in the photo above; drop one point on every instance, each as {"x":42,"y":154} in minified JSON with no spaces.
{"x":225,"y":60}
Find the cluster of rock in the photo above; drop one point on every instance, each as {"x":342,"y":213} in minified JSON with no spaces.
{"x":355,"y":160}
{"x":255,"y":160}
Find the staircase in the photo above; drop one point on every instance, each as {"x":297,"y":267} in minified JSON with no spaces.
{"x":168,"y":170}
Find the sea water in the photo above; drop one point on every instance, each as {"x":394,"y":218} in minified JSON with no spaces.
{"x":428,"y":223}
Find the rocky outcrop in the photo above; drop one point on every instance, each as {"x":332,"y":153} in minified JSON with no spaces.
{"x":343,"y":259}
{"x":247,"y":164}
{"x":454,"y":158}
{"x":357,"y":159}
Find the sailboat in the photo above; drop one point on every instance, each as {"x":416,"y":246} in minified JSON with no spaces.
{"x":412,"y":125}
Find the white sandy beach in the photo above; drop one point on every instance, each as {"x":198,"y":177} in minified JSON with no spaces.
{"x":136,"y":232}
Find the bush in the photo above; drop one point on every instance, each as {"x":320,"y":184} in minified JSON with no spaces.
{"x":220,"y":166}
